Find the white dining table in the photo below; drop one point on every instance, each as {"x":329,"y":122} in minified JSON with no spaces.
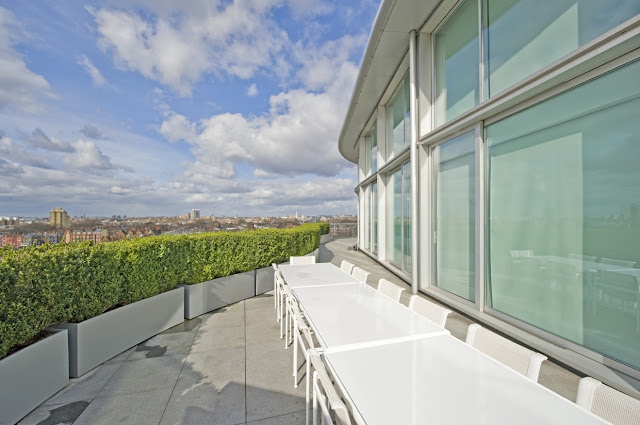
{"x":318,"y":274}
{"x":441,"y":380}
{"x":344,"y":316}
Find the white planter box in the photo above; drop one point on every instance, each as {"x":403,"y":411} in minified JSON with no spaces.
{"x":207,"y":296}
{"x":264,"y":280}
{"x":96,"y":340}
{"x":324,"y":239}
{"x":30,"y":376}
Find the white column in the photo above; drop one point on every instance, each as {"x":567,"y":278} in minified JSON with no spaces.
{"x":413,"y":150}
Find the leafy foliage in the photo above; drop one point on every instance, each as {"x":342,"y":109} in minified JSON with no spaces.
{"x":48,"y":284}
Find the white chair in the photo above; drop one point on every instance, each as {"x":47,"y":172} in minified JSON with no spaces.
{"x":307,"y":259}
{"x":360,"y":274}
{"x":609,"y":404}
{"x":517,"y":357}
{"x":431,"y":311}
{"x":328,"y":408}
{"x":346,"y":266}
{"x":619,"y":263}
{"x":583,"y":257}
{"x":391,"y":290}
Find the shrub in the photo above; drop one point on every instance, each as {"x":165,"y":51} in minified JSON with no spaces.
{"x":43,"y":285}
{"x":325,"y":228}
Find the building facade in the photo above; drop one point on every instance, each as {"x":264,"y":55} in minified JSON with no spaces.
{"x":82,"y":235}
{"x":497,"y":150}
{"x":12,"y":240}
{"x":59,"y":218}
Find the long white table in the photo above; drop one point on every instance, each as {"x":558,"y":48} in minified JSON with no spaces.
{"x":318,"y":274}
{"x":348,"y":315}
{"x":441,"y":380}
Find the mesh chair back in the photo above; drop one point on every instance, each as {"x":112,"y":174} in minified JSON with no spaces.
{"x":391,"y":290}
{"x":517,"y":357}
{"x":307,"y":259}
{"x":346,"y":266}
{"x":360,"y":274}
{"x":431,"y":311}
{"x":609,"y":404}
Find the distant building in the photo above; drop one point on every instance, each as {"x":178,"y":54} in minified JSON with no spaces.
{"x":13,"y":240}
{"x":59,"y":218}
{"x":195,"y":213}
{"x":82,"y":235}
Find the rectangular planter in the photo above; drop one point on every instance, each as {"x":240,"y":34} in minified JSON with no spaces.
{"x":324,"y":239}
{"x":30,"y":376}
{"x":96,"y":340}
{"x":211,"y":295}
{"x":264,"y":280}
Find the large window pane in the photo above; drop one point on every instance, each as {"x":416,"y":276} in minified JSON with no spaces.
{"x":454,"y":194}
{"x":399,"y":218}
{"x":367,"y":217}
{"x":521,"y":37}
{"x":398,"y":120}
{"x":374,"y":204}
{"x":564,"y":215}
{"x":371,"y":151}
{"x":457,"y":63}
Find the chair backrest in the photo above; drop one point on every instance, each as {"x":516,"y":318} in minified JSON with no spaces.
{"x":583,"y":257}
{"x":391,"y":290}
{"x":307,"y":259}
{"x":346,"y":266}
{"x":428,"y":309}
{"x":326,"y":401}
{"x":275,"y":267}
{"x":360,"y":274}
{"x":621,"y":263}
{"x":609,"y":404}
{"x":517,"y":357}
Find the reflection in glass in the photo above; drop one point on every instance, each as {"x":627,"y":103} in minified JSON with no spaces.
{"x":374,"y":207}
{"x":367,"y":217}
{"x":371,"y":151}
{"x":564,"y":215}
{"x":520,"y":37}
{"x":454,"y":194}
{"x":399,"y":218}
{"x":398,"y":120}
{"x":456,"y":62}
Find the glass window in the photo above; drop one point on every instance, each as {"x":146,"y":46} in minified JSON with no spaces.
{"x":454,"y":194}
{"x":367,"y":217}
{"x":398,"y":120}
{"x":371,"y":150}
{"x":520,"y":37}
{"x":399,"y":218}
{"x":457,"y":63}
{"x":564,"y":215}
{"x":374,"y":214}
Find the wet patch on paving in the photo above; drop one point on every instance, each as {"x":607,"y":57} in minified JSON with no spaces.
{"x":65,"y":414}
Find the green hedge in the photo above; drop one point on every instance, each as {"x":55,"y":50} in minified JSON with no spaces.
{"x":324,"y":228}
{"x":48,"y":284}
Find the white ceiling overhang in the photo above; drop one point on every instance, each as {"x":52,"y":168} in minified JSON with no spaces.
{"x":387,"y":46}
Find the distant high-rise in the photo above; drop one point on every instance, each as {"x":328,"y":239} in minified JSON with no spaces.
{"x":195,"y":213}
{"x":59,"y":218}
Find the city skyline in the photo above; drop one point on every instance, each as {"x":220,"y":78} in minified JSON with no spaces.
{"x":149,"y":108}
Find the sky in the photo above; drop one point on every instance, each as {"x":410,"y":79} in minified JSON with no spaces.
{"x":154,"y":107}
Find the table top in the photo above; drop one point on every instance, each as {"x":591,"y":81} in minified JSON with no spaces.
{"x":344,"y":315}
{"x":441,"y":380}
{"x":318,"y":274}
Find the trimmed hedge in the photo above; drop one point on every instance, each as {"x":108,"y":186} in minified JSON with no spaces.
{"x":325,"y":228}
{"x":48,"y":284}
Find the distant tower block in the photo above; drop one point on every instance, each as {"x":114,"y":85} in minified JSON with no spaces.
{"x":59,"y":218}
{"x":195,"y":213}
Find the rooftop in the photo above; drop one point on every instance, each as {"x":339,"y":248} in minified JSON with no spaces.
{"x":225,"y":367}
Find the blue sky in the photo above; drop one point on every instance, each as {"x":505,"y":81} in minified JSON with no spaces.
{"x":154,"y":107}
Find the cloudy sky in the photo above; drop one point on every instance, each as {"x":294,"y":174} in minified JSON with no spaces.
{"x":154,"y":107}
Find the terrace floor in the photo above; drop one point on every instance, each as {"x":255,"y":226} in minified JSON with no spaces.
{"x":227,"y":367}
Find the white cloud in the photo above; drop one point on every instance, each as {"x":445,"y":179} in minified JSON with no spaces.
{"x":181,"y":42}
{"x":96,"y":76}
{"x":252,"y":90}
{"x":40,"y":140}
{"x":88,"y":157}
{"x":92,"y":132}
{"x":177,"y":127}
{"x":20,"y":88}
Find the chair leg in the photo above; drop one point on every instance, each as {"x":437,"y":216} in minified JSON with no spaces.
{"x":286,"y":328}
{"x":280,"y":316}
{"x":307,"y":396}
{"x":295,"y":354}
